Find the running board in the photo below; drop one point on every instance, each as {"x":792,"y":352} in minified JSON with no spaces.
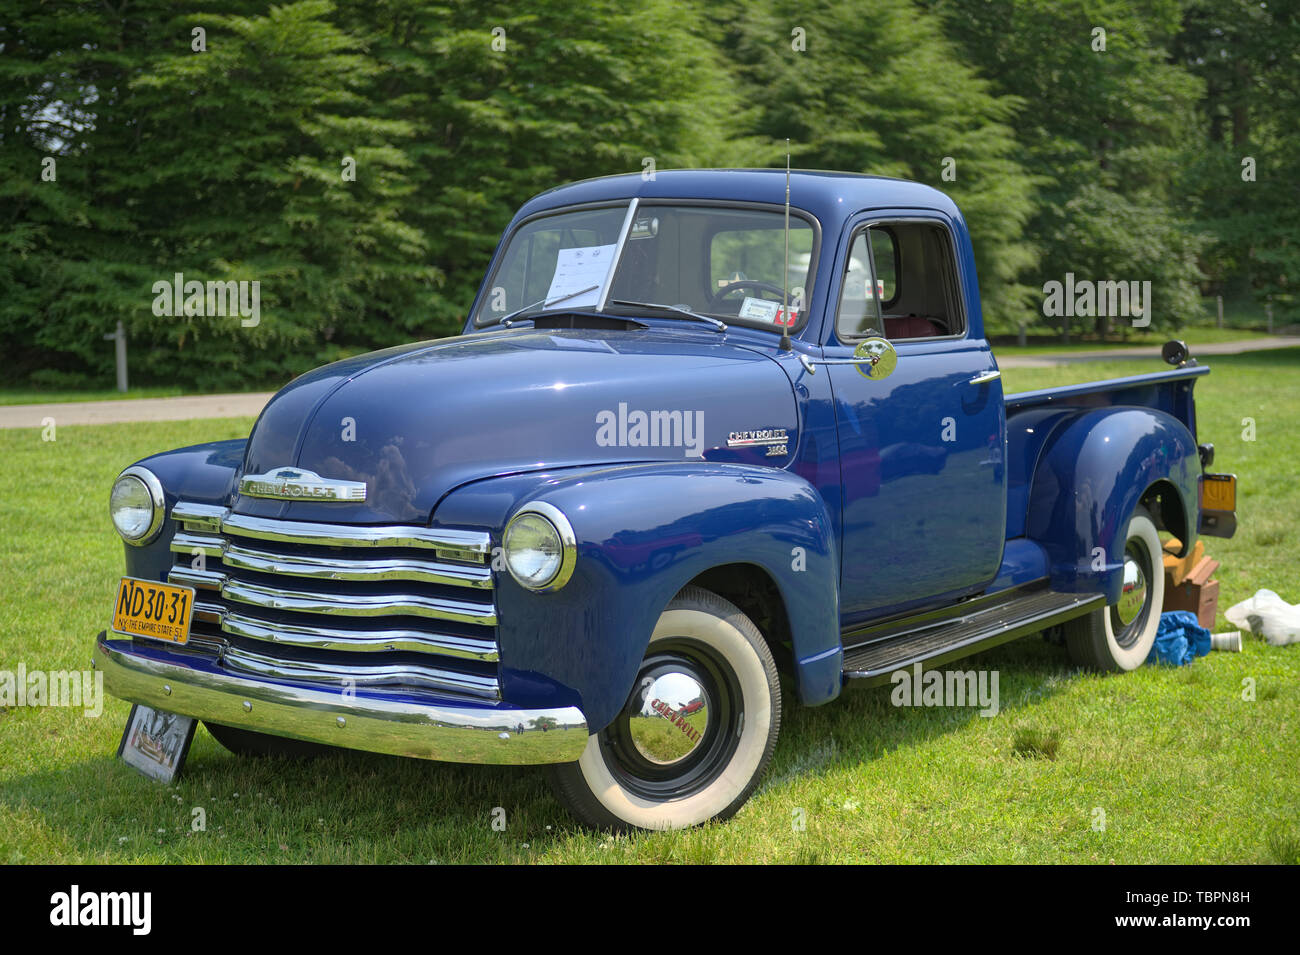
{"x":986,"y":623}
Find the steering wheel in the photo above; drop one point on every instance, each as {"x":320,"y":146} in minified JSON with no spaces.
{"x":714,"y":297}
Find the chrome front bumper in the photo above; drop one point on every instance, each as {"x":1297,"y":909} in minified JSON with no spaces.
{"x":447,"y":732}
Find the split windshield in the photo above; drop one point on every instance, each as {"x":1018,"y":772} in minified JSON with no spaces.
{"x":725,"y":262}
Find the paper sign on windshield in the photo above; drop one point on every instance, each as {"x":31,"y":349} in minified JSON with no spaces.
{"x":577,"y":269}
{"x":759,"y":309}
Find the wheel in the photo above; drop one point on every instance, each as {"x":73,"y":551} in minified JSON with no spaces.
{"x":1120,"y":636}
{"x":244,"y":742}
{"x":696,"y":733}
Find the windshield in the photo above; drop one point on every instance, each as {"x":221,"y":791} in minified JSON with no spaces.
{"x":726,"y":262}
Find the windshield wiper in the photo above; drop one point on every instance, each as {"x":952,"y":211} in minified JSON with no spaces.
{"x":542,"y":302}
{"x":715,"y":322}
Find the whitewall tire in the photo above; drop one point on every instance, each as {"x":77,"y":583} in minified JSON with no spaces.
{"x":696,"y":733}
{"x":1120,"y":637}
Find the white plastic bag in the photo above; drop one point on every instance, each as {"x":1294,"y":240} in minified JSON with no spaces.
{"x":1268,"y":615}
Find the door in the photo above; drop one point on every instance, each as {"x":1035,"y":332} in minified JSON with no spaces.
{"x":921,"y":424}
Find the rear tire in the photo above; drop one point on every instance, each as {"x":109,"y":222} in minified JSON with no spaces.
{"x":244,"y":742}
{"x":1119,"y":637}
{"x":696,"y":733}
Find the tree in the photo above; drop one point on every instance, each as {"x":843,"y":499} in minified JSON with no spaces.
{"x":1243,"y":174}
{"x":1108,"y":121}
{"x":880,"y":90}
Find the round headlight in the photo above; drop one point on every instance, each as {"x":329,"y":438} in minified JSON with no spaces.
{"x":136,"y":505}
{"x":540,"y":548}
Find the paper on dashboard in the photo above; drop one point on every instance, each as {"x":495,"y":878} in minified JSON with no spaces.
{"x":578,"y":269}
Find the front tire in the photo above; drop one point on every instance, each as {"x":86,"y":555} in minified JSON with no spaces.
{"x":1119,"y":637}
{"x":696,"y":733}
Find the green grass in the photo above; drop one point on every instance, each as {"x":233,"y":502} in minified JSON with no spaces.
{"x":36,"y":396}
{"x":1005,"y":346}
{"x":1183,"y":768}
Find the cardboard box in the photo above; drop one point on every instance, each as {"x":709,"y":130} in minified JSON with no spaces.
{"x":1201,"y":599}
{"x":1180,"y":567}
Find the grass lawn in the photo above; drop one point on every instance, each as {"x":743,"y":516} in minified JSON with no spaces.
{"x":1005,"y":346}
{"x":1183,"y":768}
{"x":36,"y":396}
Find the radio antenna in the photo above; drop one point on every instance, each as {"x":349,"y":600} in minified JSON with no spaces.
{"x":785,"y":278}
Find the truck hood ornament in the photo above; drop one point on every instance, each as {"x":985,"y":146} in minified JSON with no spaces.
{"x":299,"y":484}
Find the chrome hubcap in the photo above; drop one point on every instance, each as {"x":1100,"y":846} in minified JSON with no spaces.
{"x":1134,"y":596}
{"x":672,"y":719}
{"x":680,"y":725}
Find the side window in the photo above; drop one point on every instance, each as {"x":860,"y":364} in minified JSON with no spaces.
{"x":884,"y":253}
{"x":910,"y":290}
{"x":859,"y":314}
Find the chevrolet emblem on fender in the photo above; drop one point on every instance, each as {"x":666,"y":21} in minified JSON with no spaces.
{"x":299,"y":484}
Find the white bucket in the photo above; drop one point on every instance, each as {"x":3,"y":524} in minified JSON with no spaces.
{"x":1230,"y":641}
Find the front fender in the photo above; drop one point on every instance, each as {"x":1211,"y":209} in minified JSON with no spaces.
{"x":1092,"y":473}
{"x":643,"y":532}
{"x":202,"y":474}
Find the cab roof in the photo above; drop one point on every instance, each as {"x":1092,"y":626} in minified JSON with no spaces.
{"x":830,"y":196}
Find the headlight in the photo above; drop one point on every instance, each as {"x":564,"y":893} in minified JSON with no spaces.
{"x":137,"y":505}
{"x":540,"y":547}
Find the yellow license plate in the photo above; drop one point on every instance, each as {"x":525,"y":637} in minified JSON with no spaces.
{"x":146,"y":608}
{"x":1218,"y":492}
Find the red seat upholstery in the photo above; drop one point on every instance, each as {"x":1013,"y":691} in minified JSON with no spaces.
{"x":911,"y":326}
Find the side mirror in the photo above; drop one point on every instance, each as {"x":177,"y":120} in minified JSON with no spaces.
{"x":1176,"y":353}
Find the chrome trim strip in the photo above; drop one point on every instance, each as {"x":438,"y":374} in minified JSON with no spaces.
{"x":199,"y":579}
{"x":467,"y":734}
{"x":331,"y":568}
{"x":323,"y":638}
{"x":208,"y":613}
{"x":186,"y":543}
{"x":324,"y":568}
{"x":203,"y":517}
{"x":477,"y":543}
{"x":360,"y":605}
{"x":240,"y":658}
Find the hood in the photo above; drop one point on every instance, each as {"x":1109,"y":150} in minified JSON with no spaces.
{"x":415,"y":422}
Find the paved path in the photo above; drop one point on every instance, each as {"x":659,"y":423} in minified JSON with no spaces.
{"x":134,"y":409}
{"x":249,"y":405}
{"x":1150,"y":352}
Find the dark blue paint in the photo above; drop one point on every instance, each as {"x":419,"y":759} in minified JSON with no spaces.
{"x":1092,"y":473}
{"x":645,"y":531}
{"x":869,"y":513}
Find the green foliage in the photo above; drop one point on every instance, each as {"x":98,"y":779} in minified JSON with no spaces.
{"x":882,"y":91}
{"x":1105,"y":137}
{"x":130,"y":151}
{"x":1243,"y":178}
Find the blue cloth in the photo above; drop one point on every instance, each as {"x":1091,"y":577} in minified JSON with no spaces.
{"x":1180,"y":639}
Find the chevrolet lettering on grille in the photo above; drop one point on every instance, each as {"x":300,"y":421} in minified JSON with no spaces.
{"x":297,"y":484}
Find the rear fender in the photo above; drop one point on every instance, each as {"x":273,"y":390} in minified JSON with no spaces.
{"x":1090,"y":476}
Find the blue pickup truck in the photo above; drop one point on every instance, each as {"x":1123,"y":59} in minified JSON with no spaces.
{"x":696,"y":451}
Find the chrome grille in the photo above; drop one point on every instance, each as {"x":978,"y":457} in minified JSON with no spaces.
{"x":388,"y":606}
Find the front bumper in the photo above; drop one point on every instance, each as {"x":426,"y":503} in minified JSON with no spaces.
{"x":400,"y":726}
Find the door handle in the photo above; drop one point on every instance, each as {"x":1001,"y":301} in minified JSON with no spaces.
{"x":985,"y":377}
